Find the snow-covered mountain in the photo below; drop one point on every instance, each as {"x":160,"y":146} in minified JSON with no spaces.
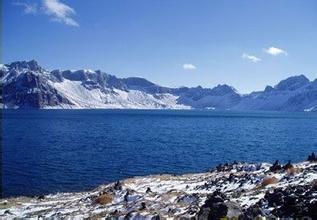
{"x":28,"y":85}
{"x":295,"y":93}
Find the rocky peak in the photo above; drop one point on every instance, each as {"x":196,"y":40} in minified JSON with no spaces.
{"x":293,"y":83}
{"x":223,"y":89}
{"x":268,"y":89}
{"x":77,"y":75}
{"x":31,"y":65}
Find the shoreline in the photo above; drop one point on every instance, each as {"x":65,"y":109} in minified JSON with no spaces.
{"x":244,"y":190}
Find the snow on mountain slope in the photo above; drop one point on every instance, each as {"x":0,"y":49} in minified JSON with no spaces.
{"x":296,"y":93}
{"x":81,"y":97}
{"x":28,"y":85}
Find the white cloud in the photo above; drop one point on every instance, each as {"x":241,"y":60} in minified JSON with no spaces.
{"x":189,"y":66}
{"x":274,"y":51}
{"x":252,"y":58}
{"x":27,"y":8}
{"x":57,"y":10}
{"x":60,"y":12}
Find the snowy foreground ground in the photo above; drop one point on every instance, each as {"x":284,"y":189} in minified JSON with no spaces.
{"x":232,"y":190}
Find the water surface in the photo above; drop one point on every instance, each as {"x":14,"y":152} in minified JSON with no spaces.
{"x":48,"y":151}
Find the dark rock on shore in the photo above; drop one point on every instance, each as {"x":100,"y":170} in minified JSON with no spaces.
{"x":276,"y":166}
{"x":312,"y":158}
{"x":214,"y":207}
{"x":236,"y":190}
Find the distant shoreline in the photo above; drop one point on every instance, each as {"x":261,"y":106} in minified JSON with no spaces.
{"x":157,"y":109}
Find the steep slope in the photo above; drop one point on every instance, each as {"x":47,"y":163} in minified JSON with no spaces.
{"x":28,"y":85}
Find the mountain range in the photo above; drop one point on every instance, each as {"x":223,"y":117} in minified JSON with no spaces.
{"x":25,"y":84}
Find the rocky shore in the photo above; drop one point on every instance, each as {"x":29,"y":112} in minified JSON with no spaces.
{"x":240,"y":190}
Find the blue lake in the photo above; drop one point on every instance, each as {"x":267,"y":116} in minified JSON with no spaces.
{"x":47,"y":151}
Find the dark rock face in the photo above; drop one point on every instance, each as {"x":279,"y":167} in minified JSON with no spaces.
{"x":137,"y":83}
{"x":117,"y":186}
{"x":252,"y":212}
{"x":56,"y":76}
{"x":220,"y":97}
{"x":293,"y":202}
{"x":31,"y":91}
{"x":292,"y":83}
{"x":30,"y":65}
{"x":214,"y":207}
{"x":304,"y":98}
{"x":223,"y":90}
{"x":94,"y":80}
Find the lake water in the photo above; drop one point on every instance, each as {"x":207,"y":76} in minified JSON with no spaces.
{"x":47,"y":151}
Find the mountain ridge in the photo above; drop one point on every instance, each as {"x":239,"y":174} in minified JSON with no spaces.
{"x":27,"y":85}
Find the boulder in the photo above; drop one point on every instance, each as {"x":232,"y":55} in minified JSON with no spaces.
{"x":214,"y":207}
{"x":276,"y":166}
{"x":312,"y":157}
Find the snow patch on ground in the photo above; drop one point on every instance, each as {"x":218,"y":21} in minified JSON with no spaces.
{"x":164,"y":195}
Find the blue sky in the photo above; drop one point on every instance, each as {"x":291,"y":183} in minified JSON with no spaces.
{"x":247,"y":44}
